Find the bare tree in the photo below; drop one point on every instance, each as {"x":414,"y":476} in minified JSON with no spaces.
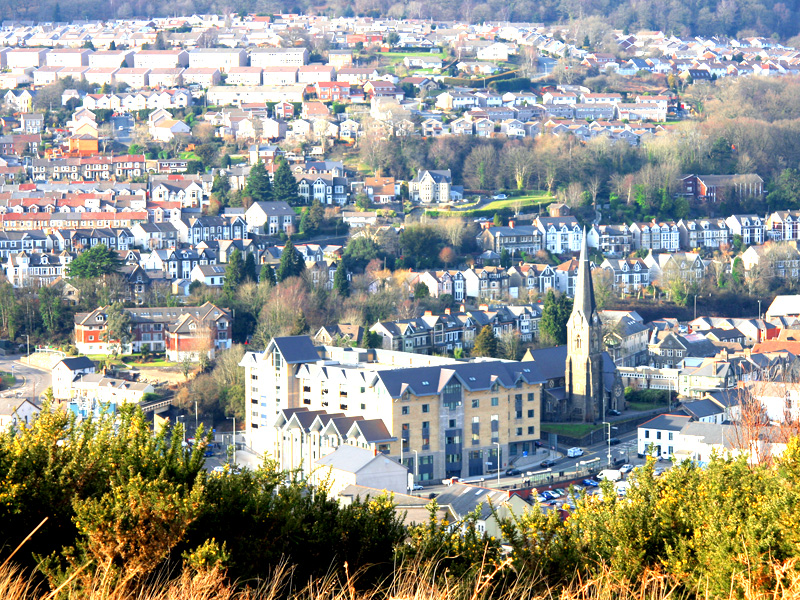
{"x":453,"y":230}
{"x":518,"y":162}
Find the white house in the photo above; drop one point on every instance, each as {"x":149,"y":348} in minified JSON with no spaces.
{"x":17,"y":411}
{"x":66,"y":371}
{"x":662,"y":432}
{"x":350,"y":465}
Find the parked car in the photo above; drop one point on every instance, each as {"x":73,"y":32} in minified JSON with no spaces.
{"x":499,"y":197}
{"x":591,"y":483}
{"x":614,"y":441}
{"x":547,"y":463}
{"x":513,"y":472}
{"x":626,"y":468}
{"x":417,"y":487}
{"x":614,"y":413}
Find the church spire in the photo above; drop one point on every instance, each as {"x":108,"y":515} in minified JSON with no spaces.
{"x":584,"y":290}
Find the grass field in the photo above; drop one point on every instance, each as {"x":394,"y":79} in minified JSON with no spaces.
{"x":642,"y":406}
{"x":401,"y":55}
{"x":576,"y":430}
{"x":473,"y":210}
{"x":189,"y":156}
{"x":133,"y":360}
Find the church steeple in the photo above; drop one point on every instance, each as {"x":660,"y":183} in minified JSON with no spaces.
{"x":584,"y":368}
{"x":584,"y":290}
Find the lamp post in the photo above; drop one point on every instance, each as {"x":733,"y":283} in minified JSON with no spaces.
{"x":416,"y":465}
{"x":695,"y":306}
{"x":498,"y":462}
{"x":28,"y":338}
{"x":233,"y":438}
{"x":609,"y":440}
{"x":759,"y":309}
{"x":195,"y":418}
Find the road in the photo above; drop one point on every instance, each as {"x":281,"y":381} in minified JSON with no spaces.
{"x":123,"y":126}
{"x":32,"y":382}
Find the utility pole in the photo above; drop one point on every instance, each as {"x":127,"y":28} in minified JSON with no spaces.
{"x":499,"y":449}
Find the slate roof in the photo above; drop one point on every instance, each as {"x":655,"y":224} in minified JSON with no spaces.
{"x":75,"y":364}
{"x":666,"y":422}
{"x":296,"y":349}
{"x":712,"y":433}
{"x":701,"y":408}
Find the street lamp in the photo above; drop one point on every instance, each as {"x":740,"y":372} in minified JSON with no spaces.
{"x":195,"y":418}
{"x":759,"y":309}
{"x":498,"y":462}
{"x":416,"y":465}
{"x":233,"y":437}
{"x":609,"y":440}
{"x":28,"y":337}
{"x":695,"y":306}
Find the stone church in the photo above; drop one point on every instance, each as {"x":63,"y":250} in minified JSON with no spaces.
{"x":582,"y":380}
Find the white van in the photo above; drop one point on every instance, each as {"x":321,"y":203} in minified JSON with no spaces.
{"x":574,"y":452}
{"x":610,"y":474}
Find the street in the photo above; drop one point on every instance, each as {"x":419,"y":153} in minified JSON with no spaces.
{"x":31,"y":382}
{"x":122,"y":126}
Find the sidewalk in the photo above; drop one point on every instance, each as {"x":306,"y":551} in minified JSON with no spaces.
{"x":532,"y":461}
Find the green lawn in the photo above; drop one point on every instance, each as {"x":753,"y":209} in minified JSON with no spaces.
{"x":189,"y":156}
{"x":574,"y":430}
{"x":402,"y":55}
{"x":133,"y":360}
{"x":527,"y":200}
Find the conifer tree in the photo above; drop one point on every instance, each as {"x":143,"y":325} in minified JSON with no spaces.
{"x":268,"y":275}
{"x":485,"y":343}
{"x":250,"y":268}
{"x":285,"y":185}
{"x":340,"y":282}
{"x":258,"y":187}
{"x":234,"y":273}
{"x":292,"y":264}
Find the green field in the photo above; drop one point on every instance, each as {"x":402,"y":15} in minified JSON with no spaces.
{"x":398,"y":56}
{"x":473,"y":210}
{"x":642,"y":406}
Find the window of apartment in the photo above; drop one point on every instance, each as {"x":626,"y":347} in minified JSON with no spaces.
{"x":476,"y":439}
{"x":658,"y":435}
{"x":519,"y":430}
{"x":426,"y":424}
{"x":647,"y":434}
{"x":451,"y":423}
{"x":670,"y":436}
{"x":425,"y":408}
{"x":452,"y":439}
{"x":404,"y":410}
{"x":530,"y":414}
{"x":475,"y":403}
{"x":530,"y":397}
{"x":495,"y":401}
{"x":453,"y":458}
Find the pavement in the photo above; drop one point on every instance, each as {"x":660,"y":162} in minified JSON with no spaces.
{"x":31,"y":381}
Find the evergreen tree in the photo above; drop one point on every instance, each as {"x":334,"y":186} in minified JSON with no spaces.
{"x":340,"y":282}
{"x":505,"y":259}
{"x":485,"y":343}
{"x":292,"y":264}
{"x":316,"y":215}
{"x":555,"y":314}
{"x":234,"y":273}
{"x":285,"y":185}
{"x":268,"y":275}
{"x":300,"y":325}
{"x":258,"y":187}
{"x":250,"y":268}
{"x":94,"y":263}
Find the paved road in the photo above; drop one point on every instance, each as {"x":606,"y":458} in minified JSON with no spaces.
{"x":32,"y":382}
{"x":122,"y":126}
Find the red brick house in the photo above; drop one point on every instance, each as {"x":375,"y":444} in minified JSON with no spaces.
{"x":181,"y":331}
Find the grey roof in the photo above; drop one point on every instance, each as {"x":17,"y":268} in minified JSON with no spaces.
{"x":296,"y":349}
{"x":81,"y":362}
{"x":373,"y":430}
{"x":712,"y":433}
{"x":666,"y":422}
{"x":348,"y":458}
{"x":463,"y":499}
{"x":552,"y":363}
{"x":701,"y":408}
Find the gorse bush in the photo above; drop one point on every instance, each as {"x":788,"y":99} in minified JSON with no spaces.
{"x":124,"y":512}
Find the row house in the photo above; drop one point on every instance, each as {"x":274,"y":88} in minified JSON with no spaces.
{"x":19,"y":144}
{"x":533,"y":278}
{"x":36,"y":269}
{"x":332,"y":91}
{"x":159,"y":329}
{"x":686,"y":266}
{"x":783,"y":225}
{"x":657,"y":236}
{"x":560,"y":235}
{"x":177,"y":263}
{"x":611,"y":240}
{"x":751,"y":228}
{"x":486,"y":283}
{"x":155,"y":236}
{"x":90,"y":168}
{"x":630,"y":275}
{"x":79,"y":240}
{"x":28,"y":221}
{"x":325,"y":188}
{"x":207,"y":228}
{"x":440,"y":283}
{"x":188,"y":192}
{"x":703,"y":233}
{"x":13,"y":242}
{"x":516,"y":239}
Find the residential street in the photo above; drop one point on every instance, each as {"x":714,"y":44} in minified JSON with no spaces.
{"x":31,"y":382}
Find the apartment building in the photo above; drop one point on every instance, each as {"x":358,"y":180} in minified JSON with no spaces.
{"x":447,"y":417}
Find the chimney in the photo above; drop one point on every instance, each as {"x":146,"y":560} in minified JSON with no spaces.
{"x":462,"y":308}
{"x":483,"y":307}
{"x":428,"y":313}
{"x":511,"y":223}
{"x":447,"y":311}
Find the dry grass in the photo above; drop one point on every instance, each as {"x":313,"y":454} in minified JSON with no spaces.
{"x":414,"y":582}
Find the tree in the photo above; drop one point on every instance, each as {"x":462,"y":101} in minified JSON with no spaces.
{"x":555,"y":314}
{"x":510,"y":345}
{"x":421,"y":244}
{"x":250,"y":268}
{"x":284,"y":186}
{"x":485,"y":343}
{"x":481,"y":168}
{"x":234,"y":274}
{"x":258,"y":186}
{"x":360,"y":251}
{"x":340,"y":281}
{"x":51,"y":308}
{"x":292,"y":264}
{"x":505,"y":259}
{"x":96,"y":262}
{"x":421,"y":291}
{"x":268,"y":275}
{"x":118,"y":328}
{"x":447,"y":256}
